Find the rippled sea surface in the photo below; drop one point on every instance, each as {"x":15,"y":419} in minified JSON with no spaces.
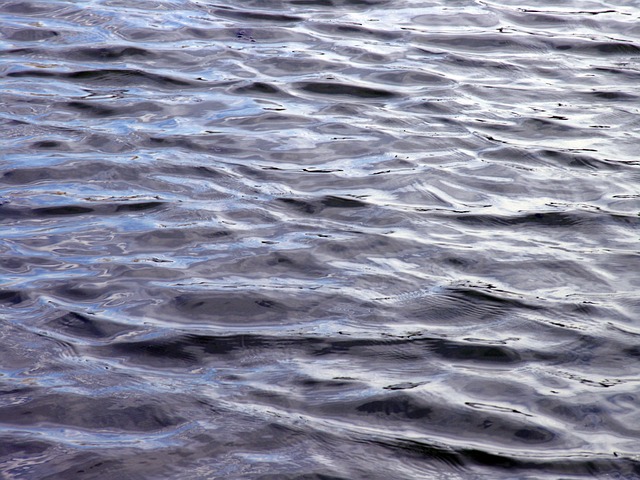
{"x":319,"y":239}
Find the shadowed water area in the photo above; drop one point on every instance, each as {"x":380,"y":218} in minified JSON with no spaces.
{"x":319,"y":239}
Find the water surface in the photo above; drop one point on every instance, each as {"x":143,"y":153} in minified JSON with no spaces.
{"x":314,"y":239}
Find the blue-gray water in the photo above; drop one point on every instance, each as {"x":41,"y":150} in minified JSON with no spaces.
{"x":319,"y":239}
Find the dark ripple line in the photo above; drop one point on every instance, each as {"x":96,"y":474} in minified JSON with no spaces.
{"x":547,"y":219}
{"x":467,"y":459}
{"x":330,"y":88}
{"x":317,"y":206}
{"x":198,"y":349}
{"x":109,"y":77}
{"x":65,"y":210}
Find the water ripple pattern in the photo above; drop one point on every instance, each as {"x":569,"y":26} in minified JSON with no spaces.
{"x":313,"y":239}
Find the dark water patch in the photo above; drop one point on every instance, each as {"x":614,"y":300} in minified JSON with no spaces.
{"x":473,"y":305}
{"x":25,"y":263}
{"x":12,"y":214}
{"x":32,"y":35}
{"x":157,"y":353}
{"x":298,"y":264}
{"x":80,"y":292}
{"x":196,"y":350}
{"x":488,"y":295}
{"x":171,"y":238}
{"x":614,"y":95}
{"x":435,"y":419}
{"x":258,"y":88}
{"x":232,"y":308}
{"x":90,"y":413}
{"x":12,"y":447}
{"x":540,"y":219}
{"x":330,"y":88}
{"x":577,"y":160}
{"x":175,"y":142}
{"x":74,"y":171}
{"x":553,"y":466}
{"x":612,"y":48}
{"x":114,"y":52}
{"x":423,"y":451}
{"x":92,"y":109}
{"x":31,"y":8}
{"x":200,"y":350}
{"x":341,"y":202}
{"x":476,"y":353}
{"x":399,"y":407}
{"x":64,"y":210}
{"x":108,"y":77}
{"x":12,"y":297}
{"x":51,"y":144}
{"x":419,"y":348}
{"x":317,"y":206}
{"x":626,"y":73}
{"x":85,"y":326}
{"x":138,"y":206}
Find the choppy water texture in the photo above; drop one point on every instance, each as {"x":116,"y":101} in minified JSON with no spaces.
{"x":320,"y":239}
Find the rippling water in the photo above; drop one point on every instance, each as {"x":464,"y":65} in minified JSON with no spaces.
{"x":314,"y":239}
